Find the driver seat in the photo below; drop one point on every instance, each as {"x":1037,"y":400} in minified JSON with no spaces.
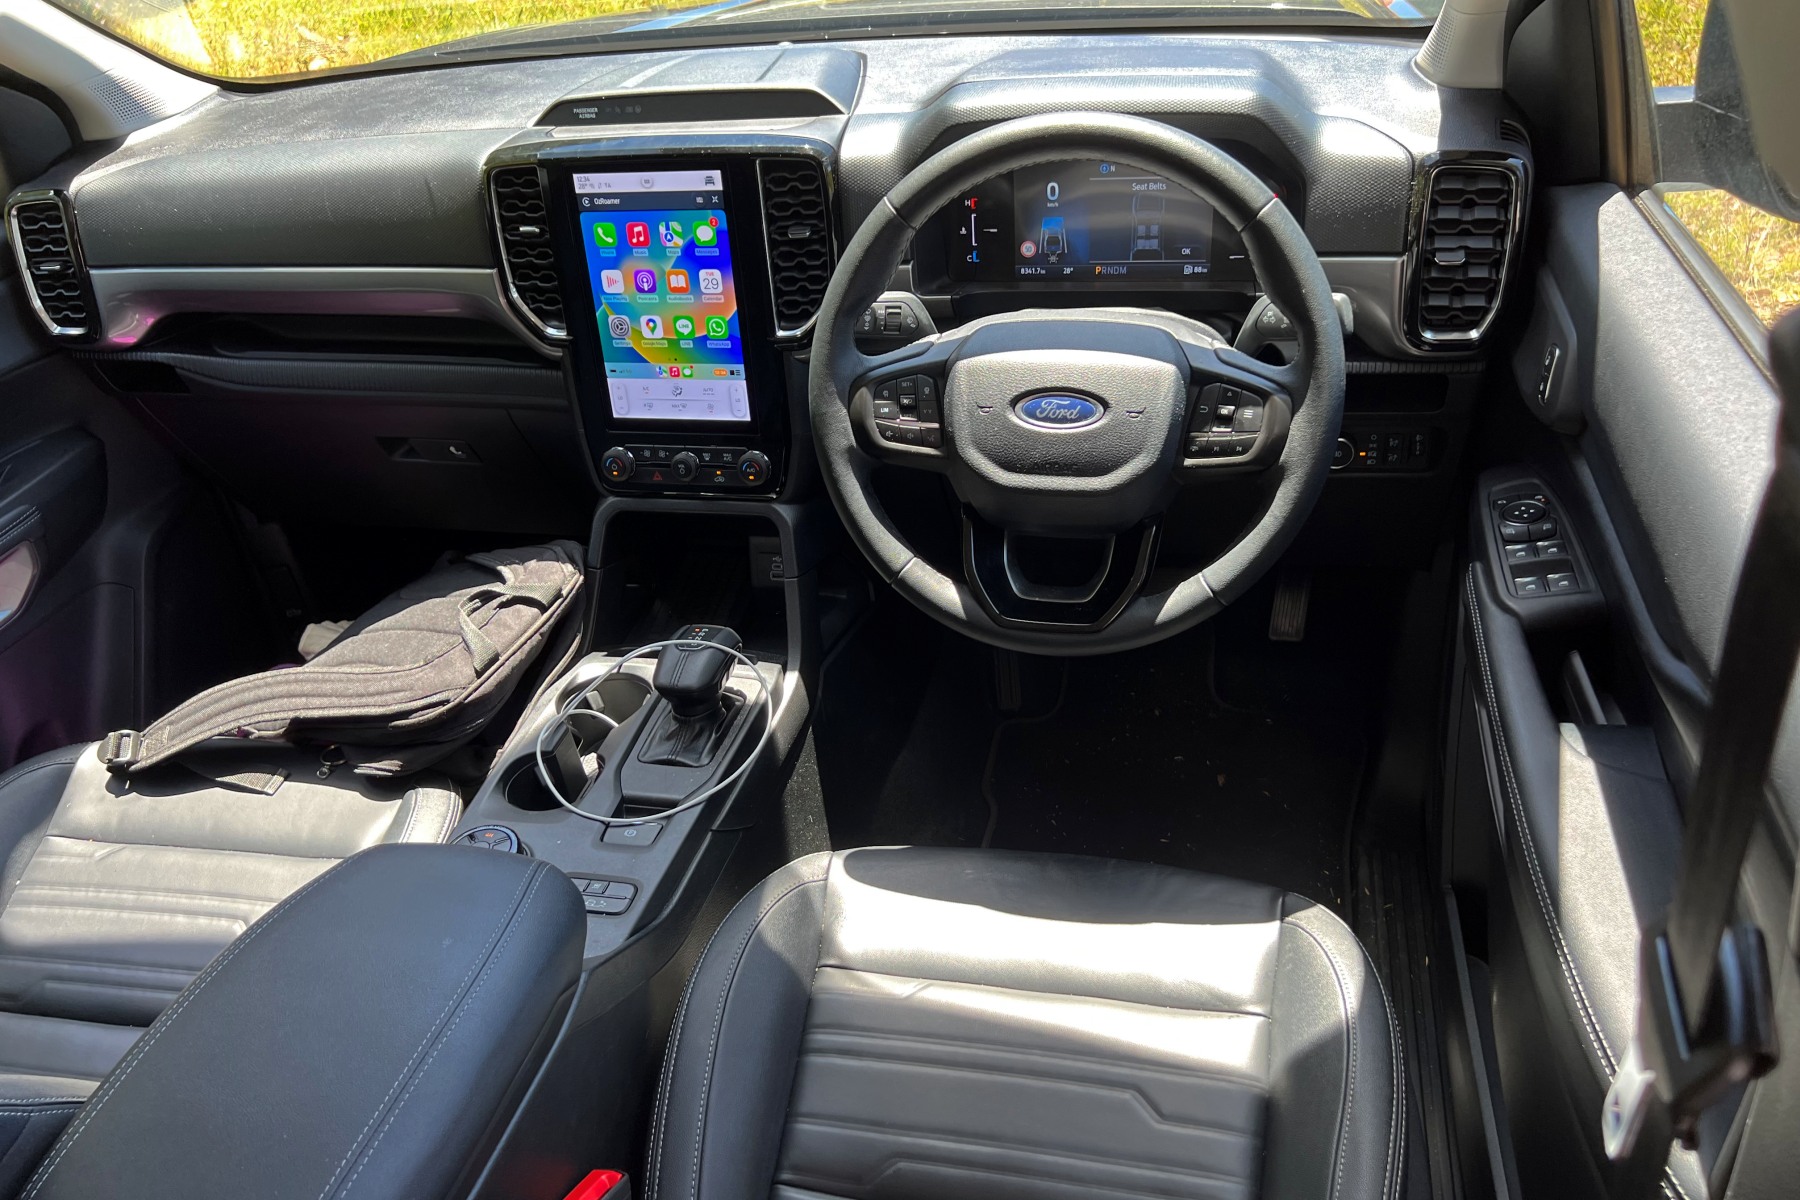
{"x":904,"y":1024}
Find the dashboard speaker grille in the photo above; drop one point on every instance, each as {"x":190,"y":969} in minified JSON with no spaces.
{"x":51,"y":263}
{"x":1468,"y":228}
{"x":522,"y":220}
{"x":797,"y":220}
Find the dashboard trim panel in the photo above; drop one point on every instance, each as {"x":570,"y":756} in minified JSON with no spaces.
{"x":132,"y":300}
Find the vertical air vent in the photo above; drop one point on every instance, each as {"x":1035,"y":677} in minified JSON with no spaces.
{"x":1464,"y":245}
{"x":50,"y":260}
{"x":522,"y":220}
{"x":797,"y":217}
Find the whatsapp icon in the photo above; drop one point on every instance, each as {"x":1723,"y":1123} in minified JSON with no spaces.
{"x":718,"y":327}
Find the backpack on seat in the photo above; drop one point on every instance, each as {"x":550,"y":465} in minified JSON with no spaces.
{"x":409,"y":682}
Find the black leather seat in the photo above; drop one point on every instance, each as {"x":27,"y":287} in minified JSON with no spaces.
{"x":115,"y":896}
{"x":889,"y":1024}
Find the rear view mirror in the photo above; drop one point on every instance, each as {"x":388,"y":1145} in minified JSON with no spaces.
{"x":1703,"y":132}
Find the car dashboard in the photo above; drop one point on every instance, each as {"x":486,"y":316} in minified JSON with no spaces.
{"x":415,"y":273}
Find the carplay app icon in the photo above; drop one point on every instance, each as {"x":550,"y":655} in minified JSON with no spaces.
{"x":711,"y":281}
{"x":644,"y":280}
{"x":612,"y":282}
{"x":684,"y":327}
{"x":652,"y":326}
{"x":705,"y":234}
{"x":718,"y":327}
{"x":637,"y":233}
{"x":678,"y":281}
{"x":619,"y":327}
{"x":606,"y":235}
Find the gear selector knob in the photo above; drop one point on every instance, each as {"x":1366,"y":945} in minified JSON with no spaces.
{"x":692,"y":677}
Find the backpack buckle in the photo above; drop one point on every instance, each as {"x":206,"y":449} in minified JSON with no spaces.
{"x":121,"y":750}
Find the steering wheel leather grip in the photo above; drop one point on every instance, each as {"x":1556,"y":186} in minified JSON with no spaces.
{"x":1285,"y":265}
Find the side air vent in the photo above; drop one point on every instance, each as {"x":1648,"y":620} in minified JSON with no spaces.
{"x":522,"y":220}
{"x":797,"y":219}
{"x":1465,"y":243}
{"x":50,"y":260}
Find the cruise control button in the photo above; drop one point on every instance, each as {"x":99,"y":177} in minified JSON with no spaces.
{"x":889,"y":390}
{"x":928,"y":411}
{"x":887,"y":410}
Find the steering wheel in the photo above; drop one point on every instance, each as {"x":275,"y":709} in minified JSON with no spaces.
{"x":1075,"y":428}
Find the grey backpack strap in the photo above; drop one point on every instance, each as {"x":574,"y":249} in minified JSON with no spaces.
{"x":425,"y":668}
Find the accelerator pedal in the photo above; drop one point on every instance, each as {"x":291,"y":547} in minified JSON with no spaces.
{"x":1287,"y":618}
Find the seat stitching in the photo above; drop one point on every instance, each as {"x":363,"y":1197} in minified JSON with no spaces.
{"x":737,"y":959}
{"x":900,"y":1133}
{"x":57,"y":1103}
{"x":1184,"y":1071}
{"x":1001,"y":987}
{"x":156,"y":1031}
{"x":668,"y":1072}
{"x":1350,"y":1055}
{"x":23,"y":769}
{"x":1396,"y":1152}
{"x":455,"y":996}
{"x":517,"y":919}
{"x":1565,"y":959}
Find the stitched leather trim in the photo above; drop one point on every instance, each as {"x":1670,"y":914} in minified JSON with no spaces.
{"x":1350,"y":1054}
{"x":1566,"y":960}
{"x":162,"y":1025}
{"x":437,"y":1026}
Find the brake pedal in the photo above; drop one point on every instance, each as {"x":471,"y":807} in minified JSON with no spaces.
{"x":1287,"y":618}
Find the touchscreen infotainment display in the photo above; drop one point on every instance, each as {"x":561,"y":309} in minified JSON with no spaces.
{"x":658,"y":251}
{"x":1089,"y":221}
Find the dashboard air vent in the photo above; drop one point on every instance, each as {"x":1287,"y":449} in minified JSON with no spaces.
{"x":797,"y":219}
{"x":522,"y":220}
{"x":1463,"y":249}
{"x":50,"y":260}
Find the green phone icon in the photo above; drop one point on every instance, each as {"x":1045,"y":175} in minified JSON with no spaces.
{"x":684,"y":327}
{"x":718,"y":327}
{"x":606,"y":235}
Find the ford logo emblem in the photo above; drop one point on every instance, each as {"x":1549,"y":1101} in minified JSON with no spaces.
{"x":1058,"y":410}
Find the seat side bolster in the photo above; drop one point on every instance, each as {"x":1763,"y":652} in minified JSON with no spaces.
{"x":1336,"y":1092}
{"x":749,"y":992}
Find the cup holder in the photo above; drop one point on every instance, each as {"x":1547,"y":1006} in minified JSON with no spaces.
{"x":572,"y":752}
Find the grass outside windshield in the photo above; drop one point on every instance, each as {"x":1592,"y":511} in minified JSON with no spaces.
{"x":260,"y":39}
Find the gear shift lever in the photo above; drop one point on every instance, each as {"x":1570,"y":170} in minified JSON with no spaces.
{"x":692,"y":679}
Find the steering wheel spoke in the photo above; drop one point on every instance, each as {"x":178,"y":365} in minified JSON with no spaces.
{"x":897,"y":404}
{"x":1238,"y":415}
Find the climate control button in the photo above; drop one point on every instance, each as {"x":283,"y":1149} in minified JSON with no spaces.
{"x":753,"y":467}
{"x":617,"y":464}
{"x":685,"y":465}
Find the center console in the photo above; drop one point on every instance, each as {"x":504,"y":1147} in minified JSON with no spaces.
{"x":666,"y":275}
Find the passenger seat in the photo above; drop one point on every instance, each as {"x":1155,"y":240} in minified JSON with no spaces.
{"x":116,"y":893}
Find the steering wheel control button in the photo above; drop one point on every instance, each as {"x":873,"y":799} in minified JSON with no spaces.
{"x":617,"y":464}
{"x":887,"y":410}
{"x":632,"y":835}
{"x":1524,"y":512}
{"x":492,"y":837}
{"x":753,"y":469}
{"x":1248,"y":418}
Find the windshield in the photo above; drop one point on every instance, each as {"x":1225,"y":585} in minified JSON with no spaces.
{"x":272,"y":39}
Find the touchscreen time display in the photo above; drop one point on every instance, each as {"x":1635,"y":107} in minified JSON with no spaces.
{"x":658,"y":251}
